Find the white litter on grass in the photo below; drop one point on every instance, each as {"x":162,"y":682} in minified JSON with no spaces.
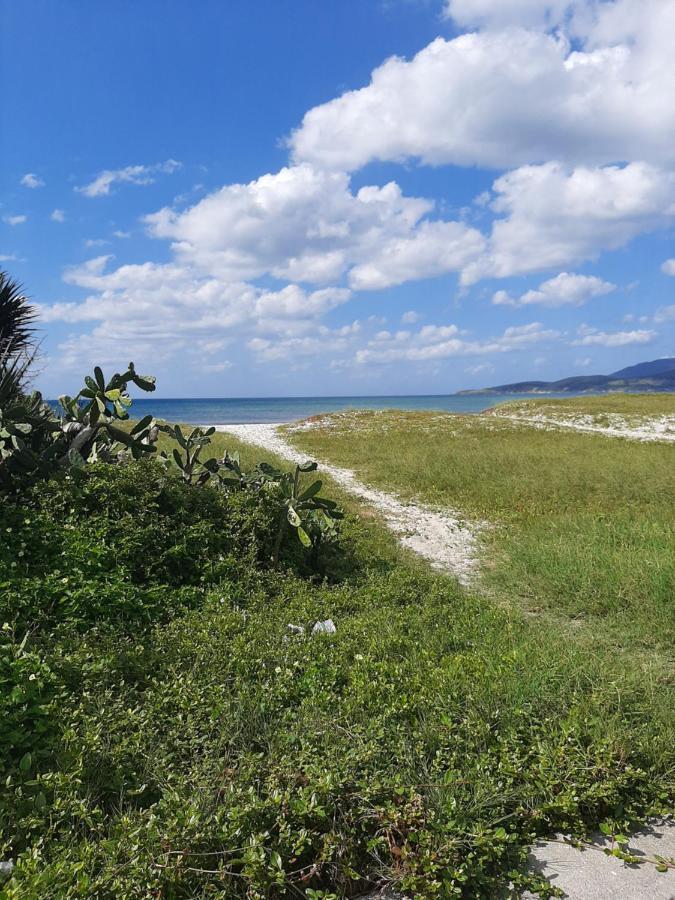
{"x":657,"y":428}
{"x":326,"y":627}
{"x":442,"y":537}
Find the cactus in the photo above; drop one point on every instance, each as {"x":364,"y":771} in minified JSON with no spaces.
{"x":193,"y":470}
{"x":34,"y":441}
{"x":312,"y":517}
{"x":87,"y":419}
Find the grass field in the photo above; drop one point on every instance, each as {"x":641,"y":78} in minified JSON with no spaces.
{"x":190,"y":746}
{"x":584,"y":525}
{"x":621,"y":404}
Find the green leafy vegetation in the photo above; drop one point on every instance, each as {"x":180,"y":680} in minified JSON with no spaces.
{"x":188,"y":742}
{"x":167,"y":734}
{"x":312,"y":517}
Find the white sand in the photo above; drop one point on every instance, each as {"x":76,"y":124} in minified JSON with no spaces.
{"x":442,"y":537}
{"x":655,"y":428}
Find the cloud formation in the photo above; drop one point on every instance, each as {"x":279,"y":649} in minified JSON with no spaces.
{"x":564,"y":289}
{"x":306,"y":225}
{"x":433,"y":342}
{"x":159,"y":307}
{"x":31,"y":180}
{"x":103,"y":182}
{"x":550,"y":216}
{"x":511,"y":96}
{"x":569,"y":103}
{"x":589,"y":336}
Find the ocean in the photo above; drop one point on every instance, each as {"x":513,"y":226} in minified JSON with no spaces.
{"x":240,"y":410}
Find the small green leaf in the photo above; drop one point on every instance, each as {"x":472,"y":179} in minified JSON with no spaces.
{"x":25,"y":763}
{"x":311,"y":491}
{"x":305,"y":539}
{"x":144,"y":382}
{"x":142,"y":424}
{"x":178,"y":434}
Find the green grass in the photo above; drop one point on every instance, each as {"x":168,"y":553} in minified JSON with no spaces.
{"x":183,"y":744}
{"x":622,"y":404}
{"x":583,"y":524}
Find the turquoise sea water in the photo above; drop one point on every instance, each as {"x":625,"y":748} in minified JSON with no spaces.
{"x":230,"y":411}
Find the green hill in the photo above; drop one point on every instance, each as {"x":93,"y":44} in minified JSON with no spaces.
{"x":657,"y":375}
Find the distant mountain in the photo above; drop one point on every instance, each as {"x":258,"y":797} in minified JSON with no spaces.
{"x":655,"y":367}
{"x":657,"y":375}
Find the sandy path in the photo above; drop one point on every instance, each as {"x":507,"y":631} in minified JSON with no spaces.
{"x":661,"y":428}
{"x":440,"y":536}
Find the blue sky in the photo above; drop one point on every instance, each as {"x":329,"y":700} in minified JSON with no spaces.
{"x":341,"y":197}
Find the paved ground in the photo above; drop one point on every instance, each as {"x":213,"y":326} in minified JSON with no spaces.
{"x":592,"y":875}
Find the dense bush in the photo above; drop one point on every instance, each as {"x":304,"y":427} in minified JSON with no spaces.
{"x":164,"y":734}
{"x":116,"y":543}
{"x":119,"y":549}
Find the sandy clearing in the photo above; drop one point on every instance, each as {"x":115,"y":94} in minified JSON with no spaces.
{"x":442,"y":537}
{"x":660,"y":428}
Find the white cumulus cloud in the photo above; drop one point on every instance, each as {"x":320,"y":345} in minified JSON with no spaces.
{"x":434,"y":342}
{"x":510,"y":96}
{"x":549,"y":215}
{"x":307,"y":225}
{"x":166,"y":306}
{"x":31,"y":180}
{"x":564,"y":289}
{"x":589,"y":336}
{"x":101,"y":185}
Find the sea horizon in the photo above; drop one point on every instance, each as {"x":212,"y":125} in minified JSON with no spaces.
{"x":277,"y":410}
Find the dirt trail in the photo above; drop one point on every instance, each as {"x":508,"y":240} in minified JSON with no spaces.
{"x":442,"y":537}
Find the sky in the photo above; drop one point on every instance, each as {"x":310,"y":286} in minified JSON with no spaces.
{"x":340,"y":197}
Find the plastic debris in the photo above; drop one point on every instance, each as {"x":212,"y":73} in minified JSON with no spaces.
{"x":326,"y":627}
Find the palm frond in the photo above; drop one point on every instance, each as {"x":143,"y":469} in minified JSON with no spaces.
{"x":17,"y":318}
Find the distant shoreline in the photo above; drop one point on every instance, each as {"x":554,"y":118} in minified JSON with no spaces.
{"x":280,"y":410}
